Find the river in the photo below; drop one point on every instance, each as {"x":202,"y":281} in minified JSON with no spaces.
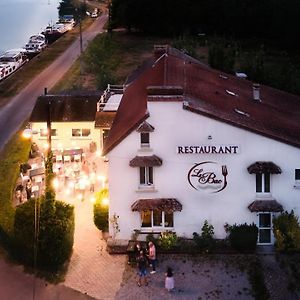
{"x":19,"y":19}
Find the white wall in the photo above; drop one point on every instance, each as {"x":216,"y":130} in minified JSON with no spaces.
{"x":175,"y":127}
{"x":64,"y":137}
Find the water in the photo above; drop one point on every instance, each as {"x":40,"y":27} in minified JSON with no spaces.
{"x":19,"y":19}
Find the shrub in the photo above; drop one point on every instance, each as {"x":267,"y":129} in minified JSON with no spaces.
{"x":151,"y":238}
{"x":205,"y":241}
{"x":101,"y":210}
{"x":15,"y":152}
{"x":286,"y":230}
{"x":167,"y":240}
{"x":55,"y":235}
{"x":243,"y":237}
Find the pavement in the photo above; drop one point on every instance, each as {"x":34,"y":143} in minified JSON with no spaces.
{"x":92,"y":271}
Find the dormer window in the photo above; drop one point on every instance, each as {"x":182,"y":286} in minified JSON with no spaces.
{"x":144,"y":129}
{"x":145,"y":139}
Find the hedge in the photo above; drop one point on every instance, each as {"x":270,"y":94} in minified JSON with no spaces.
{"x":55,"y":236}
{"x":13,"y":155}
{"x":243,"y":237}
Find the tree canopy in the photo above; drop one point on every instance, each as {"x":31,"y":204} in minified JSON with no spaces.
{"x":273,"y":19}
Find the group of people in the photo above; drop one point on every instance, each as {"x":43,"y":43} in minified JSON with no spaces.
{"x":147,"y":257}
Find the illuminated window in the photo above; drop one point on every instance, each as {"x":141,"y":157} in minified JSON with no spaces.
{"x":77,"y":132}
{"x":44,"y":132}
{"x":156,"y":218}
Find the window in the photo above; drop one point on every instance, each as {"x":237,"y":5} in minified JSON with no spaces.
{"x":44,"y":132}
{"x":105,"y":133}
{"x":145,"y":139}
{"x":297,"y":174}
{"x":264,"y":228}
{"x":263,"y":183}
{"x":146,"y":175}
{"x":156,"y":218}
{"x":81,"y":132}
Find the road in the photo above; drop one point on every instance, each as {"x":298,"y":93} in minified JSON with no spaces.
{"x":19,"y":108}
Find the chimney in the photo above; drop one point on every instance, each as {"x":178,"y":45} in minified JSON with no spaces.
{"x":256,"y":92}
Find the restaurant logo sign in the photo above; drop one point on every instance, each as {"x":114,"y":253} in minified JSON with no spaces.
{"x":208,"y":176}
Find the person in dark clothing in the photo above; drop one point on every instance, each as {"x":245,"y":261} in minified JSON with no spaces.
{"x":142,"y":268}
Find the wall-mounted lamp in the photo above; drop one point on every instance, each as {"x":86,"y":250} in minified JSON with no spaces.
{"x":209,"y":137}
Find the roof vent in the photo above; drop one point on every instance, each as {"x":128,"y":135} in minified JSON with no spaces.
{"x":231,"y":93}
{"x":240,"y":112}
{"x":256,"y":92}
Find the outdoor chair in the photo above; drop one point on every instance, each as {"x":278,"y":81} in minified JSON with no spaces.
{"x":58,"y":158}
{"x":67,"y":158}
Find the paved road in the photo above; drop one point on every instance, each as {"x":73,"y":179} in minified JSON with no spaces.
{"x":13,"y":115}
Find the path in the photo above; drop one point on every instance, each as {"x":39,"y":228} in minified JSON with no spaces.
{"x":92,"y":270}
{"x":17,"y":285}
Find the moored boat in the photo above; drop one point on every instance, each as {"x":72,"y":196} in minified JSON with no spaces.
{"x":11,"y":61}
{"x":35,"y":45}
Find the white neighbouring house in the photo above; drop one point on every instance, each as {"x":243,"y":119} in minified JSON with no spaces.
{"x":79,"y":122}
{"x":190,"y":144}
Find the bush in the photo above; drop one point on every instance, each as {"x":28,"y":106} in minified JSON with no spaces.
{"x":151,"y":238}
{"x":205,"y":241}
{"x":101,"y":210}
{"x":55,"y":236}
{"x":286,"y":230}
{"x":243,"y":237}
{"x":167,"y":240}
{"x":15,"y":152}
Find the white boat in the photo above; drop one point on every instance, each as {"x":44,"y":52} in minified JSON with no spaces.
{"x":35,"y":44}
{"x":11,"y":61}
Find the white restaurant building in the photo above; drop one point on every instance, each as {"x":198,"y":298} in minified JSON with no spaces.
{"x":190,"y":144}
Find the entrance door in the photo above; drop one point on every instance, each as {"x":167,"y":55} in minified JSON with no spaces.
{"x":264,"y":228}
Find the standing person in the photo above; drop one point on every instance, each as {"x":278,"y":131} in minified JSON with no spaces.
{"x":169,"y":280}
{"x":28,"y":189}
{"x":142,"y":268}
{"x":152,"y":257}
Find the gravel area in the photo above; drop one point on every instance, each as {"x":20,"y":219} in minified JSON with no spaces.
{"x":196,"y":277}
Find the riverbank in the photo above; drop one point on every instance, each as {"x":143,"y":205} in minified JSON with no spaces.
{"x":13,"y":84}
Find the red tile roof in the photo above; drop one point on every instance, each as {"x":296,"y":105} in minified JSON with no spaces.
{"x":208,"y":92}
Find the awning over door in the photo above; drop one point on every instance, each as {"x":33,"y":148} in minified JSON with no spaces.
{"x":265,"y":206}
{"x":261,"y":167}
{"x":146,"y":161}
{"x":161,"y":204}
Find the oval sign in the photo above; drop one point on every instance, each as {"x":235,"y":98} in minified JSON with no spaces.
{"x":208,"y":175}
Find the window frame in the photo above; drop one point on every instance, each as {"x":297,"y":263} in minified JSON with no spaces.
{"x":263,"y":183}
{"x":261,"y":227}
{"x":81,"y":132}
{"x":163,"y":221}
{"x":146,"y":176}
{"x":145,"y":139}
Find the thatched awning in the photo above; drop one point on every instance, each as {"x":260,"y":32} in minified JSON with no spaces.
{"x":146,"y":161}
{"x":161,"y":204}
{"x":265,"y":205}
{"x":145,"y":127}
{"x":261,"y":167}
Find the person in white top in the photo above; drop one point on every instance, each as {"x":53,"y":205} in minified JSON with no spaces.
{"x":152,"y":257}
